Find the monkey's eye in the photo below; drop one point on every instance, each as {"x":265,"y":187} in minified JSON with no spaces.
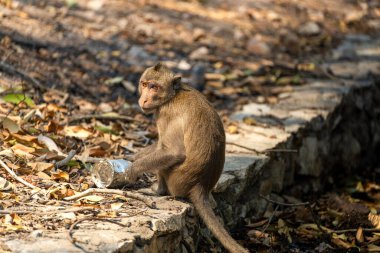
{"x":155,"y":87}
{"x":144,"y":84}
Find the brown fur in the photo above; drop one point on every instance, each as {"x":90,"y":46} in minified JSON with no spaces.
{"x":189,"y":154}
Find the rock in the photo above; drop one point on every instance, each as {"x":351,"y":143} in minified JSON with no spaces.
{"x":183,"y":65}
{"x":138,"y":55}
{"x":309,"y":29}
{"x":258,"y":47}
{"x":36,"y":233}
{"x":308,"y":157}
{"x":199,"y":53}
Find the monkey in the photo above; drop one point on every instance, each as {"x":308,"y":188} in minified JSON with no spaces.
{"x":189,"y":155}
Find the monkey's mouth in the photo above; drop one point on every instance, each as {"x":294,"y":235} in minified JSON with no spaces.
{"x":148,"y":109}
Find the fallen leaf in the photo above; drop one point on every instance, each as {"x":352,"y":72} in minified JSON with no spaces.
{"x":40,"y":166}
{"x":23,"y":151}
{"x":373,"y":248}
{"x":60,"y":175}
{"x":55,"y":108}
{"x":7,"y":153}
{"x":250,"y":121}
{"x":232,"y":129}
{"x":108,"y":214}
{"x":114,"y":80}
{"x":92,"y":198}
{"x":43,"y":175}
{"x":340,"y":243}
{"x":359,"y":235}
{"x":11,"y":125}
{"x":374,"y":219}
{"x":5,"y":185}
{"x":70,"y":215}
{"x":283,"y":229}
{"x":77,"y":131}
{"x":116,"y":206}
{"x":24,"y":138}
{"x":17,"y":98}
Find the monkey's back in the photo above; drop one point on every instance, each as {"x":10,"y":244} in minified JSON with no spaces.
{"x":201,"y":132}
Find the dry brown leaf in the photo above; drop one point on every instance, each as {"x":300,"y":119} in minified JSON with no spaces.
{"x":24,"y":138}
{"x":77,"y":131}
{"x":97,"y":151}
{"x":359,"y":235}
{"x":374,"y":219}
{"x":257,"y":234}
{"x":60,"y":175}
{"x":23,"y":151}
{"x":91,"y":199}
{"x":55,"y":108}
{"x":283,"y":229}
{"x":116,"y":206}
{"x":11,"y":125}
{"x":5,"y":185}
{"x":52,"y":126}
{"x":107,"y":214}
{"x":340,"y":243}
{"x":7,"y":153}
{"x":232,"y":129}
{"x":43,"y":175}
{"x":373,"y":248}
{"x":40,"y":166}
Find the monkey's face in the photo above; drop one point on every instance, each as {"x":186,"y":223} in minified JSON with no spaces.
{"x":157,"y":86}
{"x":153,"y":95}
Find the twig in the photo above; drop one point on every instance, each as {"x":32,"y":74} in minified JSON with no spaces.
{"x":65,"y":161}
{"x":270,"y":219}
{"x":132,"y":195}
{"x":247,"y":148}
{"x":262,"y":152}
{"x":70,"y":231}
{"x":89,"y":159}
{"x":13,"y":71}
{"x":13,"y":174}
{"x":355,"y":229}
{"x":47,"y":212}
{"x":103,"y":116}
{"x":279,"y":150}
{"x":284,"y":204}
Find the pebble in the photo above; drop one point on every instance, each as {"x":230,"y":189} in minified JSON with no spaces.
{"x":258,"y":47}
{"x":199,"y":53}
{"x":309,"y":29}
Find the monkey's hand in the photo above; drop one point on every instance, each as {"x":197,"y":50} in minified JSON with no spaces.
{"x":131,"y":175}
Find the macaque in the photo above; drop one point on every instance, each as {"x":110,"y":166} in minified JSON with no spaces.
{"x":188,"y":157}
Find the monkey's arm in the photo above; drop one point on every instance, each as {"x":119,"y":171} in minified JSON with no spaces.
{"x":158,"y":159}
{"x":145,"y":151}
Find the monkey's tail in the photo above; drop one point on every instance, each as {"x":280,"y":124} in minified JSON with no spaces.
{"x":203,"y":207}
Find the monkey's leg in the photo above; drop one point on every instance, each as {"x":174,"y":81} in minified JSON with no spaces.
{"x":160,"y":186}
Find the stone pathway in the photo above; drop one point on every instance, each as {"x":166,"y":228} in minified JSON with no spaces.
{"x":327,"y":122}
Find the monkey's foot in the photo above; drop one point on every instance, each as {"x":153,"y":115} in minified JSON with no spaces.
{"x":159,"y":189}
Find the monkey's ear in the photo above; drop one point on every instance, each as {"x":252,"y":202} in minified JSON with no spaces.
{"x":157,"y":66}
{"x":177,"y":82}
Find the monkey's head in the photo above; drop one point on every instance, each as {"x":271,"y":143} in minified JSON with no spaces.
{"x":157,"y":86}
